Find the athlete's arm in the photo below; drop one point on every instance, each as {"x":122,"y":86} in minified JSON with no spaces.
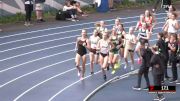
{"x":164,"y":28}
{"x":154,"y":21}
{"x":76,"y":44}
{"x":111,"y":44}
{"x":98,"y":45}
{"x":137,"y":26}
{"x":177,"y":26}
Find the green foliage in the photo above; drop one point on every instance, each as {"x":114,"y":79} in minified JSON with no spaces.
{"x":89,"y":9}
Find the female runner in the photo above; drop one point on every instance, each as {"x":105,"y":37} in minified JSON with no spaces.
{"x":130,"y":41}
{"x":114,"y":53}
{"x":93,"y":53}
{"x":121,"y":33}
{"x":140,"y":22}
{"x":81,"y":44}
{"x":143,"y":37}
{"x":104,"y":46}
{"x":150,"y":20}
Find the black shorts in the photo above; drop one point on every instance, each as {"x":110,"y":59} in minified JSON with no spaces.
{"x":130,"y":50}
{"x":93,"y":51}
{"x":82,"y":53}
{"x":143,"y":41}
{"x":122,"y":46}
{"x":104,"y":55}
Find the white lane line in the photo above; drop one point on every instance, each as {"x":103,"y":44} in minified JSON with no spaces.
{"x":4,"y":70}
{"x":52,"y":34}
{"x":25,"y":92}
{"x":49,"y":41}
{"x":31,"y":61}
{"x":60,"y":33}
{"x":68,"y":26}
{"x":126,"y":75}
{"x":68,"y":87}
{"x":58,"y":93}
{"x":5,"y":59}
{"x":1,"y":86}
{"x":37,"y":71}
{"x":55,"y":76}
{"x":8,"y":58}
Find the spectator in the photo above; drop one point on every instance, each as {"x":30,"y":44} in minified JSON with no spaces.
{"x":165,"y":4}
{"x":172,"y":25}
{"x":111,"y":4}
{"x":172,"y":9}
{"x":28,"y":8}
{"x":157,"y":70}
{"x":70,"y":10}
{"x":79,"y":10}
{"x":39,"y":10}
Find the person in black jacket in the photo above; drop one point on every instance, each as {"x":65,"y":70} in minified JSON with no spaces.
{"x":163,"y":49}
{"x":173,"y":47}
{"x":165,"y":4}
{"x":157,"y":69}
{"x":28,"y":8}
{"x":145,"y":54}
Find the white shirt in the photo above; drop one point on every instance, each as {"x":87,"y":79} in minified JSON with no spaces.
{"x":94,"y":41}
{"x":171,"y":24}
{"x":65,"y":8}
{"x":28,"y":2}
{"x":104,"y":46}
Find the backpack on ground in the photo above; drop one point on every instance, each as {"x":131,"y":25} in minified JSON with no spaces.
{"x":60,"y":15}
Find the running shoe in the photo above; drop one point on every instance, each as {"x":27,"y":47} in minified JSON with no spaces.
{"x":173,"y":81}
{"x":139,"y":61}
{"x":81,"y":78}
{"x":136,"y":88}
{"x":105,"y":78}
{"x":117,"y":65}
{"x":113,"y":71}
{"x":79,"y":74}
{"x":92,"y":73}
{"x":125,"y":66}
{"x":146,"y":88}
{"x":132,"y":67}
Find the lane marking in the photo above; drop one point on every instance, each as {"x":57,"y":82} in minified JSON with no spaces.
{"x":31,"y":61}
{"x":106,"y":83}
{"x":22,"y":94}
{"x":60,"y":74}
{"x":52,"y":40}
{"x":8,"y":58}
{"x":58,"y":93}
{"x":4,"y":70}
{"x":1,"y":86}
{"x":60,"y":33}
{"x":68,"y":26}
{"x":5,"y":59}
